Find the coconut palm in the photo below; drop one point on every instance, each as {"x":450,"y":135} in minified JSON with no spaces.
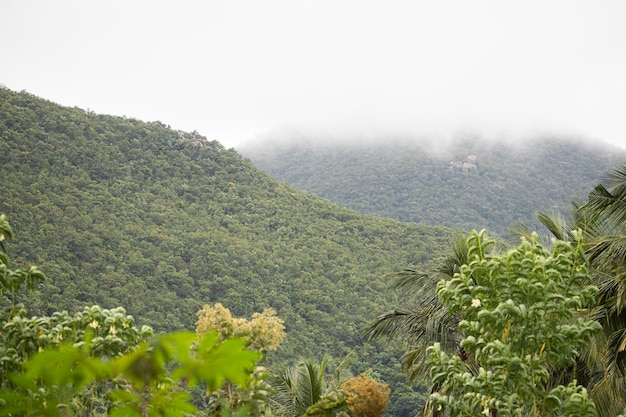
{"x":300,"y":386}
{"x":418,"y":327}
{"x":602,"y":220}
{"x":428,"y":322}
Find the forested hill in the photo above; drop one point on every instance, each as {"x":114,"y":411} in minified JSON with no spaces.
{"x":468,"y":183}
{"x":121,"y":212}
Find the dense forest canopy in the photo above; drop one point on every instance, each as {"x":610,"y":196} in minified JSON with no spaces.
{"x":120,"y":212}
{"x":467,"y":182}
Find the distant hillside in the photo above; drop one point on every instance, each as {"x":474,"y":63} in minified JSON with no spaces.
{"x":468,"y":183}
{"x":121,"y":212}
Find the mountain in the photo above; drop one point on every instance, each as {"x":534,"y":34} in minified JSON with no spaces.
{"x":121,"y":212}
{"x":467,"y":182}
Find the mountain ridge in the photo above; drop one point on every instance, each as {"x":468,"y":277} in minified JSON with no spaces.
{"x":120,"y":212}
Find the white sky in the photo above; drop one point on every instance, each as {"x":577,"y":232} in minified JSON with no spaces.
{"x":235,"y":70}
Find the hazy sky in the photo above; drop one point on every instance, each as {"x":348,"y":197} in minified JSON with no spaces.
{"x":235,"y":70}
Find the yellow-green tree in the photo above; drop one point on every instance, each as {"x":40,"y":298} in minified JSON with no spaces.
{"x":263,"y":332}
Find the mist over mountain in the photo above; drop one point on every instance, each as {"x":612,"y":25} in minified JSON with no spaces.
{"x":464,"y":181}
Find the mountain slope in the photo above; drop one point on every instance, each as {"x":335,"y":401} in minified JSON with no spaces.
{"x":467,"y":183}
{"x":117,"y":211}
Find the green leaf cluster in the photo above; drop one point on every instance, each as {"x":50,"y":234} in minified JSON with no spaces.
{"x":148,"y":381}
{"x":519,"y":322}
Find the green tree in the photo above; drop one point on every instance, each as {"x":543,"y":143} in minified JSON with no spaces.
{"x":151,"y":380}
{"x":518,"y":322}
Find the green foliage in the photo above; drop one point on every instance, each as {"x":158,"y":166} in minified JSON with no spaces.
{"x":12,"y":280}
{"x":107,"y":333}
{"x":121,"y":212}
{"x":6,"y":233}
{"x":54,"y":382}
{"x":307,"y":388}
{"x":98,"y":362}
{"x":145,"y":382}
{"x":518,"y":322}
{"x":333,"y":403}
{"x":601,"y":218}
{"x":412,"y":179}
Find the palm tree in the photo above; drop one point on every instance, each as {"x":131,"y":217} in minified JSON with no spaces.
{"x":427,"y":323}
{"x":602,"y":221}
{"x":420,"y":326}
{"x":300,"y":386}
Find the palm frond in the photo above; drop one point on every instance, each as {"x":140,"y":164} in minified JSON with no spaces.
{"x":608,"y":391}
{"x":302,"y":385}
{"x":556,"y":224}
{"x":428,"y":323}
{"x":608,"y":250}
{"x":616,"y":179}
{"x":284,"y":383}
{"x":452,"y":263}
{"x":411,"y":280}
{"x":311,"y":382}
{"x":390,"y":325}
{"x":341,"y":373}
{"x":419,"y":329}
{"x":610,"y":205}
{"x":519,"y":229}
{"x":616,"y":353}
